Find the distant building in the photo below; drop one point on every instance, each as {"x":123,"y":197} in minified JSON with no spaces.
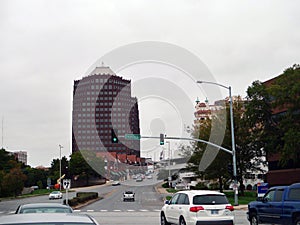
{"x":21,"y":156}
{"x":203,"y":110}
{"x":102,"y":102}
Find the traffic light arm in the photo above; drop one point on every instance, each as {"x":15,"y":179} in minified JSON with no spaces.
{"x":192,"y":139}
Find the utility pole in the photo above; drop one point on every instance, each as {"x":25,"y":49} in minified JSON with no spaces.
{"x":60,"y":147}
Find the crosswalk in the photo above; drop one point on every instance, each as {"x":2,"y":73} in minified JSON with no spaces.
{"x":119,"y":210}
{"x":101,"y":210}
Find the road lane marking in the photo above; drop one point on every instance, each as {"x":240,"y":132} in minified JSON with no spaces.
{"x":117,"y":210}
{"x":130,"y":210}
{"x":103,"y":210}
{"x":144,"y":210}
{"x":90,"y":210}
{"x":77,"y":210}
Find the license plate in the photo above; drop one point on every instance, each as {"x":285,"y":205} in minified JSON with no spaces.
{"x":214,"y":212}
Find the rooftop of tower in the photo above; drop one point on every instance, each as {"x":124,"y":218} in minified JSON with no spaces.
{"x":102,"y":70}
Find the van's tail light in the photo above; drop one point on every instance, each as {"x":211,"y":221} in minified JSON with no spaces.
{"x":196,"y":208}
{"x":230,"y":207}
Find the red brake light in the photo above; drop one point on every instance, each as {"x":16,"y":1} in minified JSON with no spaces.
{"x":196,"y":208}
{"x":230,"y":207}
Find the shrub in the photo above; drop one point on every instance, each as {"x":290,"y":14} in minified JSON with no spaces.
{"x":82,"y":197}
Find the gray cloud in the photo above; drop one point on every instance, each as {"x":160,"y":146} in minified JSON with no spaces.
{"x":45,"y":45}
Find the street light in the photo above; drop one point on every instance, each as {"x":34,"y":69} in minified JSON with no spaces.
{"x":60,"y":147}
{"x":232,"y":138}
{"x":169,"y":178}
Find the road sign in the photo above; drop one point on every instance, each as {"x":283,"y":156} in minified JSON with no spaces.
{"x":132,"y":136}
{"x":262,"y":188}
{"x":67,"y":184}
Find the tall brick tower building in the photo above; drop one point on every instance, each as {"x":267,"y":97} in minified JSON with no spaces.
{"x":102,"y":102}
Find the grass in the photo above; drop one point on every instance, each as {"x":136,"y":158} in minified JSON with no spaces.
{"x":34,"y":193}
{"x":242,"y":200}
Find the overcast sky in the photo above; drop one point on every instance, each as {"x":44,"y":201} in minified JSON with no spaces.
{"x":46,"y":45}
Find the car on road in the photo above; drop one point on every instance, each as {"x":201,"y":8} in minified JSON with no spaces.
{"x":43,"y":208}
{"x":128,"y":196}
{"x":55,"y":195}
{"x":139,"y":179}
{"x":115,"y":183}
{"x":197,"y":207}
{"x":48,"y":219}
{"x":149,"y":176}
{"x":280,"y":205}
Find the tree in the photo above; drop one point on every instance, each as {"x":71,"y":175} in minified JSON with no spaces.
{"x":247,"y":152}
{"x":13,"y":182}
{"x":273,"y":115}
{"x":285,"y":92}
{"x":219,"y":165}
{"x":87,"y":166}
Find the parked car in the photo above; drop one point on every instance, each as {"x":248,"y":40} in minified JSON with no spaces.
{"x":139,"y":179}
{"x":280,"y":205}
{"x":47,"y":219}
{"x":55,"y":195}
{"x":128,"y":196}
{"x":197,"y":207}
{"x":43,"y":208}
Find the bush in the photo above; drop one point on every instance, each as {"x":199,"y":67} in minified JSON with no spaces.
{"x":82,"y":197}
{"x":200,"y":186}
{"x":165,"y":185}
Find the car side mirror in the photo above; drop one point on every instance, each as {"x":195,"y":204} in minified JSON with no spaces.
{"x":167,"y":202}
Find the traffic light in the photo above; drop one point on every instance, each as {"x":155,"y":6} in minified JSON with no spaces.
{"x":162,"y":139}
{"x":114,"y":138}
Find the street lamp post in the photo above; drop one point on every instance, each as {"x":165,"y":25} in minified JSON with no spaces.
{"x":232,"y":138}
{"x":169,"y":164}
{"x":60,"y":147}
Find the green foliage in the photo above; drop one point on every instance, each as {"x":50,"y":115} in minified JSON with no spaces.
{"x":82,"y":197}
{"x":286,"y":100}
{"x":11,"y":176}
{"x":165,"y":185}
{"x":243,"y":200}
{"x":274,"y":117}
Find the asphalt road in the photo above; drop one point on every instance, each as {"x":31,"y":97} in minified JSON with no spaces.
{"x":112,"y":210}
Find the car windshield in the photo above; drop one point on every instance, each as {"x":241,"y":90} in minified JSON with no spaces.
{"x":46,"y":210}
{"x":210,"y":200}
{"x":128,"y":192}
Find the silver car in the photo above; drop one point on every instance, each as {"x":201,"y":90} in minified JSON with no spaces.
{"x":48,"y":219}
{"x":43,"y":208}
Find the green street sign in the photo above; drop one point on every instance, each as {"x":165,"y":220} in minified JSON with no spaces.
{"x":132,"y":136}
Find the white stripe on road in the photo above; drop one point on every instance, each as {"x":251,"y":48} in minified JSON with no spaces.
{"x":144,"y":210}
{"x":117,"y":210}
{"x":130,"y":210}
{"x":103,"y":210}
{"x":77,"y":210}
{"x":90,"y":210}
